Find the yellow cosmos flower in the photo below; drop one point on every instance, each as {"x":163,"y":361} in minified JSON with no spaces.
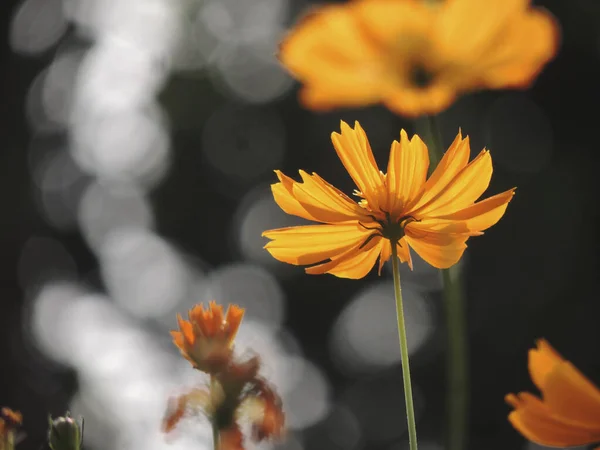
{"x":416,"y":56}
{"x":434,"y":216}
{"x":569,"y":413}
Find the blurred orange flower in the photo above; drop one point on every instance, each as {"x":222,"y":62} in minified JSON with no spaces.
{"x":568,"y":414}
{"x":252,"y":401}
{"x":434,"y":216}
{"x":9,"y":421}
{"x":207,"y":339}
{"x":236,"y":392}
{"x":416,"y":56}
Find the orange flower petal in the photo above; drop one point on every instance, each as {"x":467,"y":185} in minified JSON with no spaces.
{"x":509,"y":62}
{"x":407,"y":170}
{"x":186,"y":330}
{"x":333,"y":69}
{"x":534,"y":420}
{"x":413,"y":101}
{"x":215,"y":318}
{"x":308,"y":49}
{"x":284,"y":197}
{"x":386,"y":253}
{"x":452,"y":163}
{"x":354,"y":263}
{"x":311,"y":244}
{"x":354,"y":150}
{"x":441,"y":250}
{"x":234,"y":317}
{"x":469,"y":27}
{"x":482,"y":215}
{"x":542,"y":361}
{"x":325,"y":202}
{"x":381,"y":21}
{"x":468,"y":185}
{"x":404,"y":252}
{"x":178,"y":339}
{"x":572,"y":395}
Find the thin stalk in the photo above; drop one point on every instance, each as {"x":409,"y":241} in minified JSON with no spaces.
{"x":428,"y":129}
{"x":458,"y":376}
{"x":215,"y":433}
{"x":457,"y":402}
{"x":213,"y":422}
{"x":408,"y":395}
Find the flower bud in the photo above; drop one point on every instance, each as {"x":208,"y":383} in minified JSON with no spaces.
{"x":65,"y":433}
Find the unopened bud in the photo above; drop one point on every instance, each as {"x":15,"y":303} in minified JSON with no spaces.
{"x":65,"y":433}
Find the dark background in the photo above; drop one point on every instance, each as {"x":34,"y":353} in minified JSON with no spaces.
{"x":532,"y":275}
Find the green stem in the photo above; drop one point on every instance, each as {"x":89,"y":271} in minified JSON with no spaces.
{"x":457,"y":357}
{"x":458,"y":377}
{"x":215,"y":433}
{"x":430,"y":132}
{"x":408,"y":396}
{"x":214,"y":421}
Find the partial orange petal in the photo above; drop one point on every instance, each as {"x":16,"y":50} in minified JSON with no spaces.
{"x":412,"y":101}
{"x":354,"y":150}
{"x":234,"y":317}
{"x":404,"y":252}
{"x":466,"y":187}
{"x":336,"y":71}
{"x":407,"y":170}
{"x":482,"y":215}
{"x":453,"y":161}
{"x":178,"y":340}
{"x":284,"y":197}
{"x":508,"y":62}
{"x":438,"y":248}
{"x":572,"y":396}
{"x":175,"y":412}
{"x":467,"y":27}
{"x":324,"y":202}
{"x":308,"y":50}
{"x":340,"y":89}
{"x":311,"y":244}
{"x":355,"y":263}
{"x":542,"y":361}
{"x":381,"y":21}
{"x":186,"y":330}
{"x":386,"y":253}
{"x":534,"y":420}
{"x":216,"y":318}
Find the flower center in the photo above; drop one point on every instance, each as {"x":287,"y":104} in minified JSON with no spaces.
{"x":390,"y":229}
{"x":421,"y":77}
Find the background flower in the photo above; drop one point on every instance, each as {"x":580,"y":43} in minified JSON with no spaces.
{"x":416,"y":56}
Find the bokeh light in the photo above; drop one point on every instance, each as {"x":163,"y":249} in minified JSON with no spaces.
{"x":103,"y":210}
{"x":365,"y":336}
{"x":259,"y":212}
{"x":36,"y":26}
{"x":250,"y":286}
{"x":142,"y":272}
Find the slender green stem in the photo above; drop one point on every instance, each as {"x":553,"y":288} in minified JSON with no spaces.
{"x":430,"y":132}
{"x":214,"y":421}
{"x":408,"y":395}
{"x":457,"y":357}
{"x":458,"y":376}
{"x":215,"y":433}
